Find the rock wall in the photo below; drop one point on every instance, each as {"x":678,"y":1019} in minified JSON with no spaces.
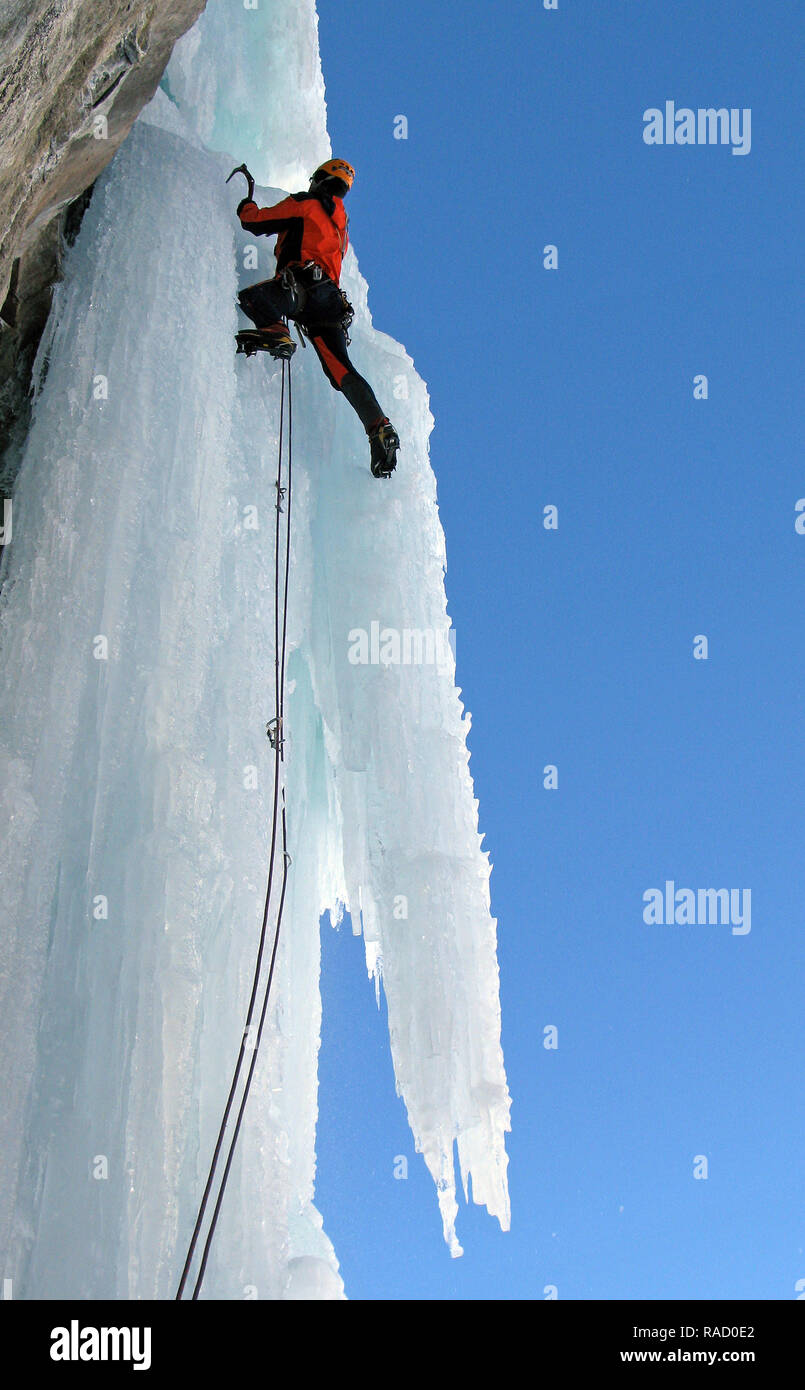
{"x":74,"y":76}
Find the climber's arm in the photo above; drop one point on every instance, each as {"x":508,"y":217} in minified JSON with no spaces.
{"x":267,"y":221}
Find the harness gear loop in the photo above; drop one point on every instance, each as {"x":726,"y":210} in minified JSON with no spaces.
{"x":289,"y":282}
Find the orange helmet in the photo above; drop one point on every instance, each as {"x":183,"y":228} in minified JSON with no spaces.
{"x":334,"y":169}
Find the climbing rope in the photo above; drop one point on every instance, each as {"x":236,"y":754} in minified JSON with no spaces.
{"x":275,"y":731}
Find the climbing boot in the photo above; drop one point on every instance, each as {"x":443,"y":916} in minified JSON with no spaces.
{"x":275,"y":339}
{"x":384,"y":443}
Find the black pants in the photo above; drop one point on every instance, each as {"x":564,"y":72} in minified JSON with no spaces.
{"x":318,"y":307}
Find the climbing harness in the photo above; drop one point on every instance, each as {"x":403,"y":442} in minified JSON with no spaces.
{"x":261,"y":982}
{"x":298,"y":280}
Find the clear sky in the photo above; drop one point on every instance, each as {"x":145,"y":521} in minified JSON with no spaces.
{"x":575,"y":387}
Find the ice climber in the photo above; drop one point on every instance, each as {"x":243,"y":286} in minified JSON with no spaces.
{"x":312,"y":240}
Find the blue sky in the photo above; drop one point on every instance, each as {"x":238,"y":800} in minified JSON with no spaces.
{"x":676,"y":518}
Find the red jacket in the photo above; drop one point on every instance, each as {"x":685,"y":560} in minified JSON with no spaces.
{"x":307,"y":232}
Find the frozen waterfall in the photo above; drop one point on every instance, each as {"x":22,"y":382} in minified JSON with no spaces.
{"x":135,"y":776}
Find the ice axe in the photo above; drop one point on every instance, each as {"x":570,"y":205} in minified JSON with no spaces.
{"x":241,"y":169}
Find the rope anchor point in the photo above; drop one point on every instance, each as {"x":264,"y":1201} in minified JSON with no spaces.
{"x":274,"y":733}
